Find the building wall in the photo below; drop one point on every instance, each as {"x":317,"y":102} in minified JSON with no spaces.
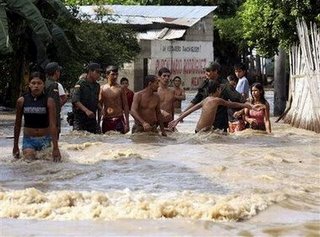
{"x":201,"y":31}
{"x":135,"y":71}
{"x":185,"y":58}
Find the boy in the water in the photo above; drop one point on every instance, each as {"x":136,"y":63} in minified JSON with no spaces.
{"x":209,"y":108}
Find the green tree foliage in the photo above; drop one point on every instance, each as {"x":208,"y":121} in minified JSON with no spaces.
{"x":25,"y":27}
{"x":270,"y":24}
{"x":106,"y":44}
{"x":35,"y":32}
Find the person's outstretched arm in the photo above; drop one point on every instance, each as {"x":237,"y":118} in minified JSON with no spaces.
{"x":230,"y":104}
{"x":174,"y":123}
{"x":160,"y":119}
{"x":125,"y":107}
{"x":267,"y":118}
{"x":53,"y":130}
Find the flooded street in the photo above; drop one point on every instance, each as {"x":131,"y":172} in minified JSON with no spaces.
{"x":245,"y":184}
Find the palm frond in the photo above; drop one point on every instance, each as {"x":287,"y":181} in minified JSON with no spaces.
{"x":60,"y":40}
{"x":60,"y":9}
{"x":5,"y":46}
{"x":33,"y":17}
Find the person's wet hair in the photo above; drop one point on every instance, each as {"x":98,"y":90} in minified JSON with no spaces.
{"x":177,"y":77}
{"x":112,"y":68}
{"x":163,"y":70}
{"x":259,"y":86}
{"x":124,"y":79}
{"x":240,"y":66}
{"x":233,"y":77}
{"x":149,"y":78}
{"x":213,"y":86}
{"x":37,"y":74}
{"x":213,"y":66}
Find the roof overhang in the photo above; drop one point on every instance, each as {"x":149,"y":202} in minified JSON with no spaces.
{"x":153,"y":22}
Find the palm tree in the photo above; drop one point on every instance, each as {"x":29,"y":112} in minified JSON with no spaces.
{"x":27,"y":29}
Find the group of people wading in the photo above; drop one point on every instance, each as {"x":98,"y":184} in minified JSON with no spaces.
{"x":98,"y":109}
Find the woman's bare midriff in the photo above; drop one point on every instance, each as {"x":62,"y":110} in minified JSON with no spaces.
{"x":36,"y":132}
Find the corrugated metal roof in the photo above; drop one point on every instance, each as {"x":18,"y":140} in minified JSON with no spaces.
{"x":163,"y":34}
{"x":143,"y":15}
{"x":185,"y":16}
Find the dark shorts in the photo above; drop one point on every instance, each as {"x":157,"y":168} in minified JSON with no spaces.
{"x":89,"y":125}
{"x":36,"y":143}
{"x":113,"y":124}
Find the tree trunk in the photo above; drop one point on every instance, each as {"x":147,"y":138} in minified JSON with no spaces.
{"x":258,"y":69}
{"x":17,"y":77}
{"x":280,"y":83}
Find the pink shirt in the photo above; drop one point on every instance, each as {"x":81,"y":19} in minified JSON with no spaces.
{"x":258,"y":116}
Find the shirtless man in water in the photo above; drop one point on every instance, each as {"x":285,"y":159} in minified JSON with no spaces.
{"x":145,"y":108}
{"x":166,"y":95}
{"x":115,"y":109}
{"x":179,"y":94}
{"x":209,"y":108}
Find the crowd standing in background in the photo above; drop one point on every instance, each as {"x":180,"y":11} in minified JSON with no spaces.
{"x":152,"y":108}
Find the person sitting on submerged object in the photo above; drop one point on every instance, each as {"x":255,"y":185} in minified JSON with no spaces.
{"x":258,"y":119}
{"x":40,"y":127}
{"x":209,"y":108}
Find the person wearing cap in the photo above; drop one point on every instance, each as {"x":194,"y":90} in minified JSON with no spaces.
{"x":85,"y":101}
{"x":40,"y":128}
{"x":212,"y":72}
{"x":146,"y":108}
{"x":53,"y":72}
{"x":113,"y":99}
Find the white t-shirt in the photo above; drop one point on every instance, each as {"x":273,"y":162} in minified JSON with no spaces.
{"x":61,"y":89}
{"x":243,"y":86}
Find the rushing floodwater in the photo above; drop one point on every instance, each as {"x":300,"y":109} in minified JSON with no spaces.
{"x":186,"y":184}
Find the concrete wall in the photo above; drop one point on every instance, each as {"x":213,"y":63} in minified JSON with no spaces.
{"x":185,"y":58}
{"x":134,"y":71}
{"x":202,"y":30}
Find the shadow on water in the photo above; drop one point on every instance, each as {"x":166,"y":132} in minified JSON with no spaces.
{"x":246,"y":137}
{"x":132,"y":173}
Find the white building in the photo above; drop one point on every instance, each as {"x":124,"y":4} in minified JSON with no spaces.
{"x":177,"y":37}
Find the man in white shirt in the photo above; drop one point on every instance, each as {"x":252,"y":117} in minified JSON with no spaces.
{"x":62,"y":94}
{"x":243,"y":85}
